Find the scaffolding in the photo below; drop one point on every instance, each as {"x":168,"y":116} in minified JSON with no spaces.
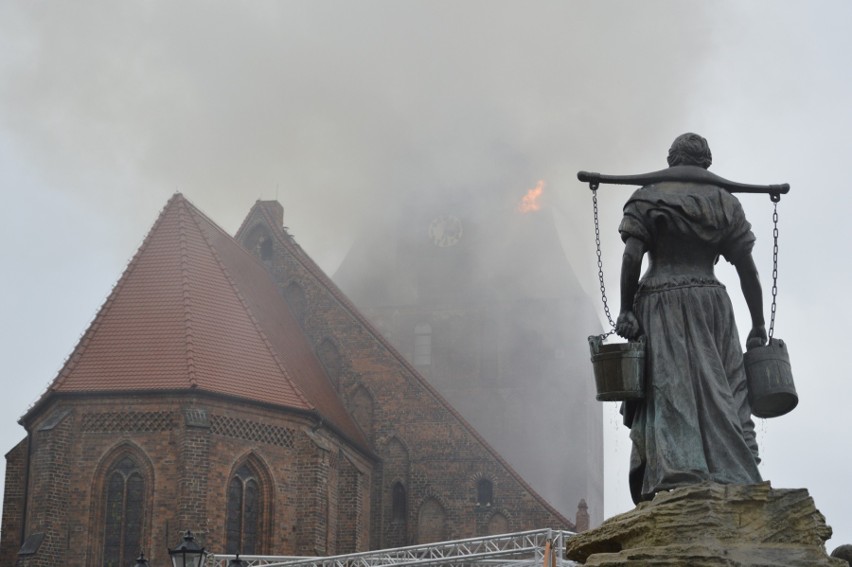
{"x":543,"y":548}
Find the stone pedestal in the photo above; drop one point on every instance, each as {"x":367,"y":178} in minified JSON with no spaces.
{"x":712,"y":525}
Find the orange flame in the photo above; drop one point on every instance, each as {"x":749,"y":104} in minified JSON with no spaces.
{"x":530,"y":202}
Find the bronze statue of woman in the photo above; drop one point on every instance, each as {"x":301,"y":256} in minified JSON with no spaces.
{"x":694,"y":423}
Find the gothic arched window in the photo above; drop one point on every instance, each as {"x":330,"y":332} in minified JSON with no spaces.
{"x":259,"y":243}
{"x":243,"y":518}
{"x":125,"y":502}
{"x":295,"y":297}
{"x":330,"y":357}
{"x":484,"y":492}
{"x":431,"y":522}
{"x":265,"y":247}
{"x":398,"y":503}
{"x":362,"y":410}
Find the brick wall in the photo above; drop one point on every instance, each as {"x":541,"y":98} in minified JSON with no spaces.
{"x":188,"y":446}
{"x":349,"y":507}
{"x":13,"y":503}
{"x":48,"y":492}
{"x":194,"y":467}
{"x":446,"y":456}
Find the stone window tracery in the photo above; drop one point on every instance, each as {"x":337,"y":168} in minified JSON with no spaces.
{"x":243,"y":514}
{"x":123,"y":519}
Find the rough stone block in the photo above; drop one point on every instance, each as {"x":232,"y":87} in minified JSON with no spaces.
{"x":709,"y":525}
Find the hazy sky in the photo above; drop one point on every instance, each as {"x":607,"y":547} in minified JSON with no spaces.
{"x":108,"y":108}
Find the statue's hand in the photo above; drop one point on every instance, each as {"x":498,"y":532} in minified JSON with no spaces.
{"x":627,"y":325}
{"x":757,"y":337}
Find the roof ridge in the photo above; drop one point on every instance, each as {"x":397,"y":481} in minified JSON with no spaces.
{"x":76,"y":354}
{"x":245,"y":221}
{"x":246,"y":307}
{"x":186,"y":295}
{"x":311,"y":266}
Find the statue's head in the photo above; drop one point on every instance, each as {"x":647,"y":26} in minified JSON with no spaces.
{"x":843,"y":552}
{"x":690,"y":149}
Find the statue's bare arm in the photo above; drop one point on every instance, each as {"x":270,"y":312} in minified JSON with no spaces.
{"x":631,"y":265}
{"x":753,"y":293}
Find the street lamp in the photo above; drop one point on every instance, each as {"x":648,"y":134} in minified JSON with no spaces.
{"x":188,"y":553}
{"x":141,"y":561}
{"x":236,"y":562}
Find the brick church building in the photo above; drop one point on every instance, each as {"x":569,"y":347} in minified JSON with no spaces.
{"x":227,"y":386}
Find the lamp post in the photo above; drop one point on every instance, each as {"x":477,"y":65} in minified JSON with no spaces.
{"x":236,"y":562}
{"x":141,"y":561}
{"x":188,"y":553}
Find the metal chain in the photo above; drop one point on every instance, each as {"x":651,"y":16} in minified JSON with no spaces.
{"x":774,"y":268}
{"x":594,"y":187}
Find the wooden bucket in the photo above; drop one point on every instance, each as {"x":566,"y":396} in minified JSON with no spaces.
{"x":619,"y":369}
{"x":771,"y":391}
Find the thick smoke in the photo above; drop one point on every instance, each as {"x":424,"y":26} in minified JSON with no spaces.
{"x":318,"y":103}
{"x":342,"y":111}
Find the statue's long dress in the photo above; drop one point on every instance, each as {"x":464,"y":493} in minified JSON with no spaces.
{"x":695,"y":422}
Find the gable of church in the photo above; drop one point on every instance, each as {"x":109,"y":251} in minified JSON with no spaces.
{"x":395,"y":406}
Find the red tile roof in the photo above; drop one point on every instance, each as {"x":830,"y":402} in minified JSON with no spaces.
{"x":194,"y":310}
